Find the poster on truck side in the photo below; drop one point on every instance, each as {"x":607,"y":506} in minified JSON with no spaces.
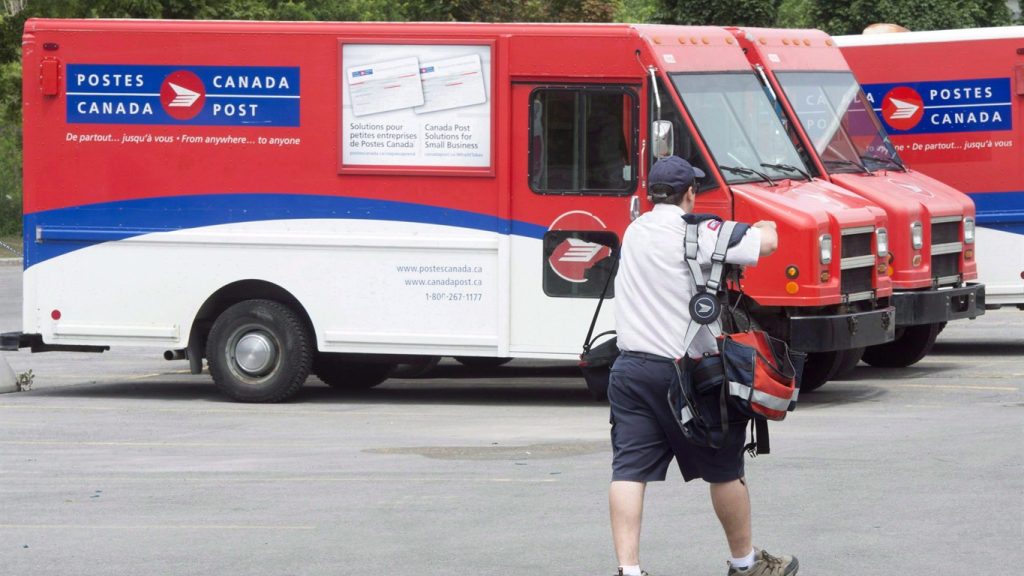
{"x":416,"y":105}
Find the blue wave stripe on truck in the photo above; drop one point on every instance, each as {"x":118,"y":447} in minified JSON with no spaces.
{"x":52,"y":233}
{"x":1000,"y":210}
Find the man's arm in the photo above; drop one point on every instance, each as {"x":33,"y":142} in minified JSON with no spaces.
{"x":769,"y":237}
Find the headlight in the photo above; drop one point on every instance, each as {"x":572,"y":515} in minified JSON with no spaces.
{"x":968,"y":230}
{"x":825,"y":248}
{"x":917,"y":235}
{"x":882,"y":242}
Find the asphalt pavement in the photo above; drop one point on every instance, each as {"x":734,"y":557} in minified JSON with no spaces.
{"x":124,"y":464}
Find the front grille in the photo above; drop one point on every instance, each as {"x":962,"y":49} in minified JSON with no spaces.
{"x":856,"y":280}
{"x":856,"y":245}
{"x":945,"y":232}
{"x":945,"y":265}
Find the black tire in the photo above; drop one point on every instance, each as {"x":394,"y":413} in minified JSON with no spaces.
{"x":819,"y":368}
{"x":259,"y":351}
{"x":848,"y":362}
{"x":338,"y":372}
{"x":913,"y":344}
{"x":417,"y":369}
{"x":482,"y":361}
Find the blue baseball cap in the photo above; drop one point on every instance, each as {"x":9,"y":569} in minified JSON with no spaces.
{"x":675,"y":172}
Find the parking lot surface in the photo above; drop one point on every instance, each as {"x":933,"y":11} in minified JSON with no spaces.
{"x":123,"y":463}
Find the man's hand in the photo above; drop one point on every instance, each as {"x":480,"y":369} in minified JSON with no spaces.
{"x":769,"y":237}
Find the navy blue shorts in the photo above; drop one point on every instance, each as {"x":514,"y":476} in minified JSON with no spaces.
{"x":646,"y":435}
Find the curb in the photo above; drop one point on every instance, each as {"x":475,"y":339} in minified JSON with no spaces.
{"x":11,"y":262}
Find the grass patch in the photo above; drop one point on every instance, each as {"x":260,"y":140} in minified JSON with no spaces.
{"x":15,"y":243}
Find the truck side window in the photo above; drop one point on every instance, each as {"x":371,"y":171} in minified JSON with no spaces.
{"x":685,"y":146}
{"x":583,"y":140}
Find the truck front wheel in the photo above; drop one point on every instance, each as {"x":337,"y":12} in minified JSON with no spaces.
{"x":819,"y":368}
{"x":914,"y":344}
{"x":337,"y":371}
{"x":259,"y":351}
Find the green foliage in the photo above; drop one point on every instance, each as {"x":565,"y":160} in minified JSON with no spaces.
{"x":636,"y":11}
{"x":795,"y":14}
{"x":852,"y":16}
{"x":10,"y":179}
{"x":718,"y":12}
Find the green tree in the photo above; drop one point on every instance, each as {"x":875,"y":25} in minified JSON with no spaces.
{"x":852,"y":16}
{"x":795,"y":14}
{"x":636,"y":11}
{"x":718,"y":12}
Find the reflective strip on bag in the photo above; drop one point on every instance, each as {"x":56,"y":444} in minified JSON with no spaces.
{"x":757,"y":396}
{"x":685,"y":415}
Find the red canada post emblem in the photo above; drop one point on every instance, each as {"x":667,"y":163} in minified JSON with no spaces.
{"x":571,"y":259}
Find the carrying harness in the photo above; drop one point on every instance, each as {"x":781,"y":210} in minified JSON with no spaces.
{"x":759,"y":398}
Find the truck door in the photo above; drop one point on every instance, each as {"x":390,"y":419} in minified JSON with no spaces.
{"x":575,"y":184}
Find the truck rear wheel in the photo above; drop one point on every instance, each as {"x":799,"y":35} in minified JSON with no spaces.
{"x":482,"y":361}
{"x":337,"y":371}
{"x":911,"y":346}
{"x":259,"y":351}
{"x":819,"y":368}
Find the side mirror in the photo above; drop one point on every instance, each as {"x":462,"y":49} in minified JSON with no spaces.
{"x":662,"y":141}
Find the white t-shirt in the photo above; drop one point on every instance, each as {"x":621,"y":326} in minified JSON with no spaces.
{"x":653,"y":286}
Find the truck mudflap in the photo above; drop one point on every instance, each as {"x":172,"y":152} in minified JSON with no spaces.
{"x":14,"y":341}
{"x":934,"y":306}
{"x":842,"y":331}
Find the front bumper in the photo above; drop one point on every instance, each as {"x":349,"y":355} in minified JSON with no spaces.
{"x":842,"y":331}
{"x":934,"y":306}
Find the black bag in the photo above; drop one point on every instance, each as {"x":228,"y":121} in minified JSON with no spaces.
{"x":596,"y":359}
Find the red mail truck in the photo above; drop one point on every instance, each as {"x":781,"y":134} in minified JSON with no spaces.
{"x":931,"y":225}
{"x":953,"y":103}
{"x":284,"y":199}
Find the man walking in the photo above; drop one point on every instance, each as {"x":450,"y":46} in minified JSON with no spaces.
{"x":653,"y":290}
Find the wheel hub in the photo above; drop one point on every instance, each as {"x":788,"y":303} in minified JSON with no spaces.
{"x":255,"y":353}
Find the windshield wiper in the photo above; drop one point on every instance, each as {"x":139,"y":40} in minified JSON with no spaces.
{"x":882,"y":160}
{"x":747,"y":172}
{"x":787,"y":168}
{"x":845,"y":162}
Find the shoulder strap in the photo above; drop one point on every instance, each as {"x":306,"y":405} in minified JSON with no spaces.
{"x":730,"y":234}
{"x":597,"y":311}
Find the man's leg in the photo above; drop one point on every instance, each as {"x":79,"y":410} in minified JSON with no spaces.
{"x":626,"y":501}
{"x":732,"y":505}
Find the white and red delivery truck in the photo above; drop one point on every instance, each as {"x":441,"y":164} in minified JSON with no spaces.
{"x":284,"y":199}
{"x":932,"y":258}
{"x":953,"y":103}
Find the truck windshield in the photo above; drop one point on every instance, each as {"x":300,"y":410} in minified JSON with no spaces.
{"x":835,"y":114}
{"x":739,"y":124}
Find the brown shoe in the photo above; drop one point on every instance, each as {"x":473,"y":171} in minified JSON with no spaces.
{"x":767,"y":565}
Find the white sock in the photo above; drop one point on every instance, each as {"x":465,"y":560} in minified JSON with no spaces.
{"x":630,"y":570}
{"x":743,"y":563}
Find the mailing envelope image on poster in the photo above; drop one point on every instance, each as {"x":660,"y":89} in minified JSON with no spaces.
{"x":383,"y":86}
{"x":452,"y":83}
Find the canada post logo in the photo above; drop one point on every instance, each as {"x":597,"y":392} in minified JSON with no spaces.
{"x":195,"y":95}
{"x":947,"y":106}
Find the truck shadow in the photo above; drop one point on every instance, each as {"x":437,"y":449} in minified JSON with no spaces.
{"x":527,"y":386}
